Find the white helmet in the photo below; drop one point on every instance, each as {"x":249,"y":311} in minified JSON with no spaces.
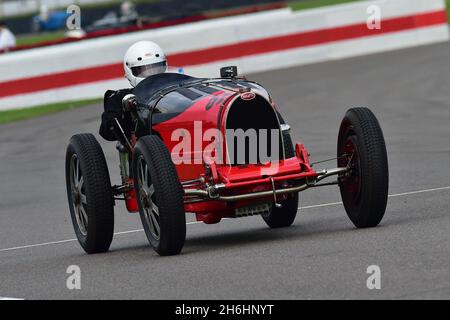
{"x":143,"y":59}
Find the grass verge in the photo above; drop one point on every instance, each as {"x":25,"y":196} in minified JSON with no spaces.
{"x":39,"y":37}
{"x":27,"y":113}
{"x":310,"y":4}
{"x":447,"y":4}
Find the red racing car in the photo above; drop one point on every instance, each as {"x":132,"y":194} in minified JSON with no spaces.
{"x":217,"y":148}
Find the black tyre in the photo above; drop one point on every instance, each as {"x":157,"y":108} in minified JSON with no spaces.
{"x":89,"y":193}
{"x":364,"y":190}
{"x":160,"y":196}
{"x":283,"y":216}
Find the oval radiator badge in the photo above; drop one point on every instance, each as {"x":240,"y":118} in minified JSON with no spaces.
{"x":248,"y":96}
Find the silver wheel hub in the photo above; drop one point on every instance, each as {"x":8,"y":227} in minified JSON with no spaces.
{"x":79,"y":201}
{"x":147,"y":199}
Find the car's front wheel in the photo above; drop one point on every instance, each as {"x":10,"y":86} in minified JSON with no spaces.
{"x":89,"y":193}
{"x":361,"y":146}
{"x":160,"y":196}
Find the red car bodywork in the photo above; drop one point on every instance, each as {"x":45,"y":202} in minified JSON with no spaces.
{"x":211,"y":111}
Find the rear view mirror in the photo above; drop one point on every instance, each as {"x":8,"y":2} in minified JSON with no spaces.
{"x":229,"y":72}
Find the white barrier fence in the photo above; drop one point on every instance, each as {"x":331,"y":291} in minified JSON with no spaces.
{"x":254,"y":42}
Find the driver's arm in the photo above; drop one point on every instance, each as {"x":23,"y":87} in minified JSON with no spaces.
{"x":113,"y":109}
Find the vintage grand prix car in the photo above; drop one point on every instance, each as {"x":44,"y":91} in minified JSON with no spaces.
{"x":217,"y":148}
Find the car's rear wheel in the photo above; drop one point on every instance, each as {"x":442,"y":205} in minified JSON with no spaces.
{"x":283,"y":216}
{"x":364,"y":189}
{"x":90,"y":197}
{"x":160,"y":196}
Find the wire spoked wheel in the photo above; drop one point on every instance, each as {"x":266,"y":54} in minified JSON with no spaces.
{"x":89,"y":193}
{"x":160,"y":196}
{"x":147,"y":198}
{"x":78,"y":194}
{"x":364,"y":189}
{"x":352,"y":181}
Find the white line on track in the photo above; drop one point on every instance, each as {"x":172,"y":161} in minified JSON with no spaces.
{"x":71,"y":240}
{"x":417,"y":192}
{"x":196,"y":222}
{"x":5,"y":298}
{"x":390,"y":196}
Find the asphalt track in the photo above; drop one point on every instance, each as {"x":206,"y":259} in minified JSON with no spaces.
{"x":321,"y":256}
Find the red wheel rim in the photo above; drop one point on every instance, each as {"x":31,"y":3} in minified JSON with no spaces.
{"x":351,"y":182}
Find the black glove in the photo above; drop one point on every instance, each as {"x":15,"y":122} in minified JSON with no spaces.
{"x":113,"y":109}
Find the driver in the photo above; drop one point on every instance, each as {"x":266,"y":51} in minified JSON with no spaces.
{"x":142,"y":59}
